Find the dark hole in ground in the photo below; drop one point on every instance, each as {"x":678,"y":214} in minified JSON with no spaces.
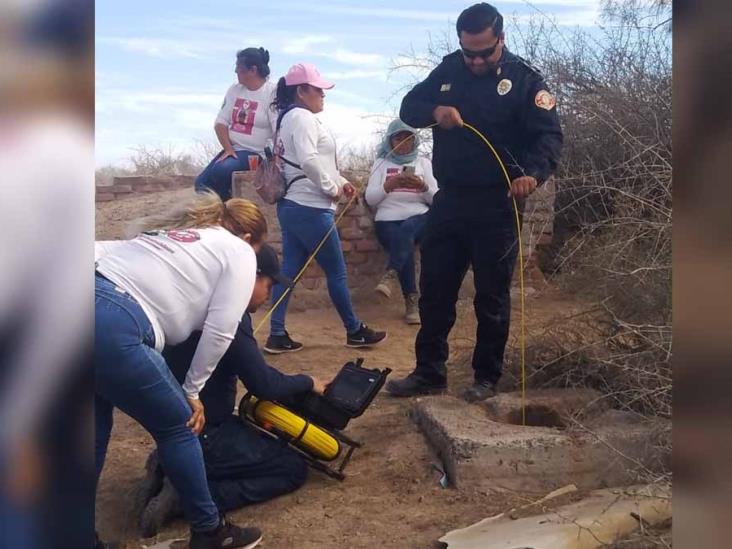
{"x":537,"y":415}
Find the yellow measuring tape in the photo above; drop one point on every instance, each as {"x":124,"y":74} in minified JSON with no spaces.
{"x":522,"y":339}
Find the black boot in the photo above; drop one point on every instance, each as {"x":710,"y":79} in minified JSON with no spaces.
{"x":414,"y":385}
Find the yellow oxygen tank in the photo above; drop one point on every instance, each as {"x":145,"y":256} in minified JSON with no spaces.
{"x":308,"y":437}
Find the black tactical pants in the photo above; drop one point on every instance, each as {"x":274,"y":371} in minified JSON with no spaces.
{"x":245,"y":466}
{"x":466,"y":228}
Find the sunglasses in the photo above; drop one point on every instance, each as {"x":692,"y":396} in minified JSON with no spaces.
{"x":485,"y":54}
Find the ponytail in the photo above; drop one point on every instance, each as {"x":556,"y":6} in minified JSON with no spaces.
{"x":285,"y":95}
{"x":206,"y":209}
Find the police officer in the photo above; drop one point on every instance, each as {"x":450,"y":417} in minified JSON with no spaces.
{"x":472,"y":222}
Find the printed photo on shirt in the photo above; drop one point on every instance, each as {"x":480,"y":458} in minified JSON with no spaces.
{"x":243,"y":115}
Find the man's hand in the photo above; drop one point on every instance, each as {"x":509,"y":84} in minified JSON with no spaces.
{"x":227,"y":153}
{"x":447,"y":117}
{"x":521,"y":187}
{"x":319,"y":385}
{"x":198,"y":418}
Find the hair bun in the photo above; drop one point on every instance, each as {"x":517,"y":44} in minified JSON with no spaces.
{"x":265,"y":55}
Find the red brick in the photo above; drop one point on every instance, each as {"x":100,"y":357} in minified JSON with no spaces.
{"x":355,"y":258}
{"x":120,"y":189}
{"x":350,"y":233}
{"x":364,"y":222}
{"x":367,"y":246}
{"x":150,"y":188}
{"x":357,"y":210}
{"x":104,"y":197}
{"x":130,"y":180}
{"x":346,"y":246}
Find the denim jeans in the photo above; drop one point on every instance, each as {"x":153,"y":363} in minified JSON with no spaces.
{"x":132,"y":376}
{"x":217,"y":175}
{"x":302,"y":229}
{"x":398,"y":239}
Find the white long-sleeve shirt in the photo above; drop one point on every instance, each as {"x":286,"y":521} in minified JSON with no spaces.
{"x":248,"y":116}
{"x":304,"y":140}
{"x":186,"y":280}
{"x":401,"y":203}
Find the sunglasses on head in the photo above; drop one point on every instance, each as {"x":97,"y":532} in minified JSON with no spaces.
{"x":485,"y":54}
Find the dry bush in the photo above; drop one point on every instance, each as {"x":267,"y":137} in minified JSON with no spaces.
{"x":613,"y":209}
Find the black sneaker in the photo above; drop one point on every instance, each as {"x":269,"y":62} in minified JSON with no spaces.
{"x":161,"y":509}
{"x":364,"y":337}
{"x":226,"y":535}
{"x":278,"y":344}
{"x":481,"y":390}
{"x":414,"y":385}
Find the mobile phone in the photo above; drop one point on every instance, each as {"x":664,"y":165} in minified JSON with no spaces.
{"x":409,"y":170}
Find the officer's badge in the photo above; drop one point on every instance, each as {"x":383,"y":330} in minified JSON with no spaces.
{"x":445,"y":87}
{"x":504,"y":86}
{"x":545,"y":100}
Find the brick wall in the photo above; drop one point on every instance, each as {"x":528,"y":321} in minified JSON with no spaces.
{"x":364,"y":258}
{"x":127,"y":185}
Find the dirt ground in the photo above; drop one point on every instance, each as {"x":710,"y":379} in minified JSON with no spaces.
{"x":391,"y":497}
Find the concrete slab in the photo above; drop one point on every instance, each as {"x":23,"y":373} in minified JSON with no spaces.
{"x":479,"y":452}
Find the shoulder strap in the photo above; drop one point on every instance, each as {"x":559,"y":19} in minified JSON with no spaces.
{"x":277,"y":132}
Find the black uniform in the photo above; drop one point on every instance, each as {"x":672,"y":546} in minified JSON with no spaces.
{"x":243,"y":466}
{"x":471,"y":221}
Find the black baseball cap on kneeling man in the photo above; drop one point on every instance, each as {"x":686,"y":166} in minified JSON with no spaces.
{"x":269,"y":265}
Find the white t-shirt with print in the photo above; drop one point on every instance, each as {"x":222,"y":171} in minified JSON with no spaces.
{"x":186,"y":280}
{"x":248,"y":116}
{"x":305,"y":141}
{"x":401,"y":203}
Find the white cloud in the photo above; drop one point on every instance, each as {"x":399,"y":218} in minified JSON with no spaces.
{"x":303,"y":44}
{"x":358,"y":74}
{"x":155,"y":47}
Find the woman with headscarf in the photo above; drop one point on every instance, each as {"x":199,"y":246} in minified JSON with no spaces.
{"x":400,"y":189}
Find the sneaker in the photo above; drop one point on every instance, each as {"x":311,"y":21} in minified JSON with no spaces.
{"x":386,"y":285}
{"x":226,"y":535}
{"x":161,"y":510}
{"x":364,"y":337}
{"x":278,"y":344}
{"x":150,"y":485}
{"x":411,"y":305}
{"x":481,"y":390}
{"x":414,"y":385}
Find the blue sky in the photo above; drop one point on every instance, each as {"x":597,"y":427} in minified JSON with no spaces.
{"x":163,"y":66}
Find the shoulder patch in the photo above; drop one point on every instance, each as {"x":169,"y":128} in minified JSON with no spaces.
{"x":545,"y":100}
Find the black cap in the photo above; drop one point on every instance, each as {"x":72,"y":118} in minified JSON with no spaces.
{"x":269,"y":265}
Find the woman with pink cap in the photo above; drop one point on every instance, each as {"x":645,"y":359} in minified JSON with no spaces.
{"x":307,"y":211}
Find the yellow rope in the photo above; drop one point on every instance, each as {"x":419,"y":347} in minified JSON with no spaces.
{"x":522,"y":340}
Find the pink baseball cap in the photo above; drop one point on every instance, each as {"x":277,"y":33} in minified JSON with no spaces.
{"x":306,"y":73}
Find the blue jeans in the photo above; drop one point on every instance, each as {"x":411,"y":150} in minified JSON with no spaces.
{"x":217,"y":175}
{"x":132,"y":376}
{"x":398,"y":239}
{"x":302,"y":229}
